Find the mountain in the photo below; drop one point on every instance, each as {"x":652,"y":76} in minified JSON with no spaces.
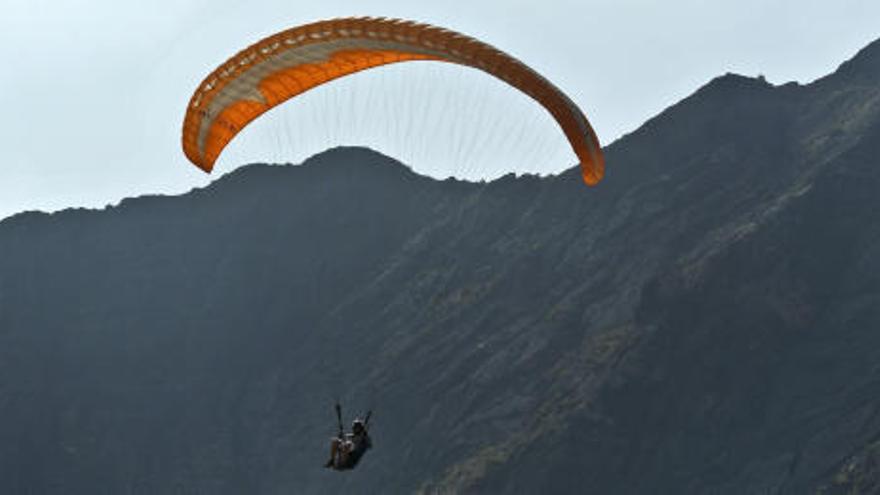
{"x":703,"y":321}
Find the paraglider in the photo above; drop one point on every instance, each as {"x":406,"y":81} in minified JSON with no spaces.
{"x":347,"y":449}
{"x":294,"y":61}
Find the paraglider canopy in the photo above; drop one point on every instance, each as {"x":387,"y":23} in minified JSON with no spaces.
{"x":294,"y":61}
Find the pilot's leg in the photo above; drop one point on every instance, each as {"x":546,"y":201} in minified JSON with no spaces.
{"x":334,"y":452}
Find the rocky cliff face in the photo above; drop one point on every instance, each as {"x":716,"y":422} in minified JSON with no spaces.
{"x":703,"y":321}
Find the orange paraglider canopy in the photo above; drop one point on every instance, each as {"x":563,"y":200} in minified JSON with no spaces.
{"x":291,"y":62}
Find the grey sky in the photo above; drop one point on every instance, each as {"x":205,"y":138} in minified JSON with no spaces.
{"x":93,"y":91}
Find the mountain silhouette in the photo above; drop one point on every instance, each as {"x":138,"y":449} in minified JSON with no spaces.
{"x":703,"y":321}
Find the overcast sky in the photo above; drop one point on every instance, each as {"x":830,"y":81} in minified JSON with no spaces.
{"x":93,"y":92}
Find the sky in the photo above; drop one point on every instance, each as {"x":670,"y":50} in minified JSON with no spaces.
{"x":93,"y":92}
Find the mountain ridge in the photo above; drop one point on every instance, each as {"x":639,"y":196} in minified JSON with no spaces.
{"x":699,"y":322}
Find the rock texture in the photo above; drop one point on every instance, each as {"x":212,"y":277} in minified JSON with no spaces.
{"x":704,"y":321}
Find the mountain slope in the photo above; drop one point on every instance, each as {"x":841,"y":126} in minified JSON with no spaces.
{"x":700,"y":322}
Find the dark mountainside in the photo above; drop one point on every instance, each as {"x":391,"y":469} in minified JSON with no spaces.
{"x":704,"y":321}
